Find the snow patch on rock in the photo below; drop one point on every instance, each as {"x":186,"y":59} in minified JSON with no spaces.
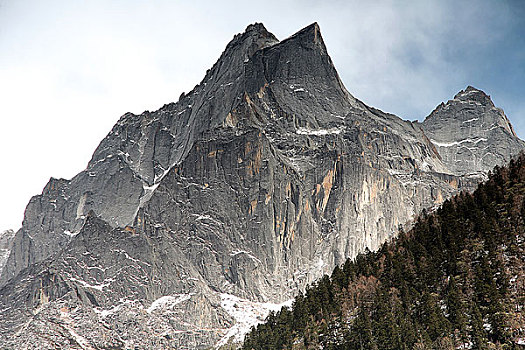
{"x":456,"y":143}
{"x":168,"y":301}
{"x":246,"y":314}
{"x":319,"y":132}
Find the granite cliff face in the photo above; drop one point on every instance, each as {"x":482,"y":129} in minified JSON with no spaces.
{"x":132,"y":159}
{"x":192,"y":221}
{"x":6,"y":242}
{"x":471,"y":134}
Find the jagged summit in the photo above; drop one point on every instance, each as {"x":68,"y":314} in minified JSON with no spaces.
{"x":468,"y":95}
{"x":256,"y":27}
{"x":477,"y":96}
{"x":255,"y":37}
{"x":474,"y":95}
{"x":311,"y":31}
{"x":308,"y":35}
{"x":471,"y":134}
{"x":465,"y":104}
{"x":258,"y":33}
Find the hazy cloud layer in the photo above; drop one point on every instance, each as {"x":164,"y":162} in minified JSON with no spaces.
{"x":69,"y":69}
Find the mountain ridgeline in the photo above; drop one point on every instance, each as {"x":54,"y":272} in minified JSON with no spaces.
{"x":190,"y":223}
{"x":456,"y":280}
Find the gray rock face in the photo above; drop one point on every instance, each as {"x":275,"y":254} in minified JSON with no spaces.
{"x":471,"y":134}
{"x":6,"y":243}
{"x":262,"y":178}
{"x":131,"y":159}
{"x":101,"y":288}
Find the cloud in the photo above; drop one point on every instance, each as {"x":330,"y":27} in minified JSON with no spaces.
{"x":408,"y":58}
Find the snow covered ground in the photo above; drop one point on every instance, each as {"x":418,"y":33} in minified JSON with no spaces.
{"x":246,"y":314}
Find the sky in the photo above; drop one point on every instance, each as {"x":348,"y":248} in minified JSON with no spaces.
{"x":69,"y":69}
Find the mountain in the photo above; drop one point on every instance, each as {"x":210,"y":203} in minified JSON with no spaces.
{"x":454,"y":281}
{"x":192,"y":222}
{"x":470,"y":133}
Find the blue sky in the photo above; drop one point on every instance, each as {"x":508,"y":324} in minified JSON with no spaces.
{"x":69,"y":69}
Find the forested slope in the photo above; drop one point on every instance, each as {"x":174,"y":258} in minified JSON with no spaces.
{"x":455,"y":280}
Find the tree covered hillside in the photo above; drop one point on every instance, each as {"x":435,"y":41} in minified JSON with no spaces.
{"x":456,"y":280}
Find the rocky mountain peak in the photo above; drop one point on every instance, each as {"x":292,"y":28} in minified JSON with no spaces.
{"x":257,"y":27}
{"x":471,"y":94}
{"x":299,"y":69}
{"x":467,"y":105}
{"x":476,"y":96}
{"x":308,"y":36}
{"x":471,"y":133}
{"x":255,"y":37}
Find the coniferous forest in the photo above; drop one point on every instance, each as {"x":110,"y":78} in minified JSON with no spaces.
{"x":456,"y":280}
